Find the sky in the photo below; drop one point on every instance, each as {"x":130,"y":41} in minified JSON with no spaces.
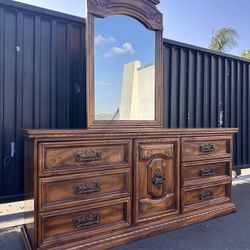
{"x":192,"y":21}
{"x":188,"y":21}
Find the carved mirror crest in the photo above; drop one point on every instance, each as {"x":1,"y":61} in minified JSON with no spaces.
{"x":124,"y":64}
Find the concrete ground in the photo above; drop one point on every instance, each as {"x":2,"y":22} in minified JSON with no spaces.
{"x":231,"y":232}
{"x":10,"y":240}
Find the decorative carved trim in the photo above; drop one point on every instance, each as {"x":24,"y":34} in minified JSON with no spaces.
{"x":148,"y":151}
{"x":156,"y":178}
{"x":143,"y":10}
{"x":169,"y":152}
{"x":96,"y":3}
{"x":155,"y":1}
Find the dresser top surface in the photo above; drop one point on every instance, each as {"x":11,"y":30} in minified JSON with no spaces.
{"x":69,"y":133}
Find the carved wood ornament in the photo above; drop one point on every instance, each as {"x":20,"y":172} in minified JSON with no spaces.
{"x":143,"y":10}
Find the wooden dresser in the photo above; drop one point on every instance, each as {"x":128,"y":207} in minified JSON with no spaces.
{"x":95,"y":189}
{"x":125,"y":177}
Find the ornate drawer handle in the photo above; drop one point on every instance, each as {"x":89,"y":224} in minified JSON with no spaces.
{"x":207,"y":148}
{"x":88,"y":155}
{"x":207,"y":171}
{"x":87,"y":219}
{"x":87,"y":187}
{"x":206,"y":195}
{"x":158,"y":179}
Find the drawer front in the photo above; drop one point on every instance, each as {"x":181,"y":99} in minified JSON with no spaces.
{"x":70,"y":157}
{"x":63,"y":191}
{"x":205,"y":172}
{"x":205,"y":148}
{"x":83,"y":222}
{"x":206,"y":196}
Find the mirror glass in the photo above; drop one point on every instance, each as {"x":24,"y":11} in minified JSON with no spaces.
{"x":124,"y":69}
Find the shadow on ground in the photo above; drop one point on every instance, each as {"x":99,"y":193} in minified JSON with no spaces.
{"x":230,"y":232}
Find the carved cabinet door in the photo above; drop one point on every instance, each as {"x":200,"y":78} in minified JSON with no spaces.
{"x":156,"y":178}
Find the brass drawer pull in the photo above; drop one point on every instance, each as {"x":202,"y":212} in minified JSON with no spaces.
{"x":207,"y":171}
{"x":87,"y":187}
{"x":88,"y":155}
{"x":207,"y":148}
{"x":206,"y":195}
{"x":87,"y":219}
{"x":158,"y":179}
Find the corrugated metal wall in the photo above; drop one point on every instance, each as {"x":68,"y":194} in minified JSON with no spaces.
{"x":41,"y":80}
{"x":208,"y":89}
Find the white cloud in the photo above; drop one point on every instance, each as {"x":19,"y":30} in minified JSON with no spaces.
{"x":99,"y":39}
{"x":127,"y":48}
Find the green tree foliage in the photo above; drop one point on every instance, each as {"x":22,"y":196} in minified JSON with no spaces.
{"x":224,"y":39}
{"x":245,"y":54}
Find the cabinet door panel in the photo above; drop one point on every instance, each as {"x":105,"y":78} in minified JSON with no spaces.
{"x":156,"y":178}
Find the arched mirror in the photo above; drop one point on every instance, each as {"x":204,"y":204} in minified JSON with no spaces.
{"x":124,"y":64}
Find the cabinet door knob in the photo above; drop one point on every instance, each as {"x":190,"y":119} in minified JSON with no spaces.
{"x":158,"y":179}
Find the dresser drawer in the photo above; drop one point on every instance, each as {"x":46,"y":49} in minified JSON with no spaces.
{"x":65,"y":191}
{"x":199,"y":172}
{"x":69,"y":157}
{"x":207,"y":196}
{"x":83,"y":222}
{"x":200,"y":148}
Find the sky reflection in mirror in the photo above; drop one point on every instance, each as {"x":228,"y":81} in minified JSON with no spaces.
{"x":122,"y":44}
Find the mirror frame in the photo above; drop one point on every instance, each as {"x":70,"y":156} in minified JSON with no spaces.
{"x":144,"y":11}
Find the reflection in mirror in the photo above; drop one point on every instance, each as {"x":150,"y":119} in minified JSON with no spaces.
{"x":124,"y":66}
